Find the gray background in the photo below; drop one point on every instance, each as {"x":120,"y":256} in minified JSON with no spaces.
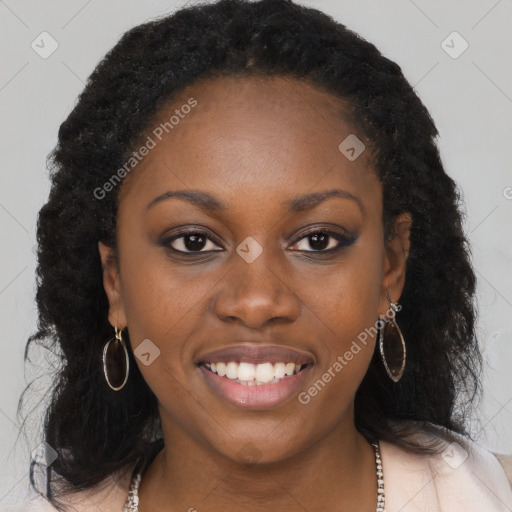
{"x":469,"y":97}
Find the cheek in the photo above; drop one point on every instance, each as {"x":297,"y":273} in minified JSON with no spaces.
{"x":156,"y":310}
{"x":348,"y":311}
{"x":167,"y":304}
{"x":159,"y":297}
{"x":345,"y":296}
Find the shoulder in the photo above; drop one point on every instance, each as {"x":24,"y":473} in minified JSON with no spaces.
{"x":506,"y":462}
{"x":109,"y":495}
{"x":461,"y":475}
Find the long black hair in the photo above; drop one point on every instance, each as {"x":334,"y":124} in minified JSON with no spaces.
{"x":96,"y":431}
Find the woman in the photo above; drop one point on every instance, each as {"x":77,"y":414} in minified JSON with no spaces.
{"x":253,"y":264}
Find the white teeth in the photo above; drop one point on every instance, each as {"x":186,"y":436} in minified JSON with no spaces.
{"x":280,"y":369}
{"x":254,"y":374}
{"x":290,"y":368}
{"x":221,"y":369}
{"x":246,"y":371}
{"x":232,"y":371}
{"x":264,"y":372}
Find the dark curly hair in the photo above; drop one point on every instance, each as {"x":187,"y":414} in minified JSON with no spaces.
{"x":97,"y":432}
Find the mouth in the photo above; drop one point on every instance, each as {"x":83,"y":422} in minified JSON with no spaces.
{"x":250,"y":374}
{"x":255,"y":377}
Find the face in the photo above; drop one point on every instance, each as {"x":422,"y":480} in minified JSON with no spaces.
{"x":246,"y":228}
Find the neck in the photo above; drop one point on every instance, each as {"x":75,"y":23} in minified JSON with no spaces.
{"x":335,"y":473}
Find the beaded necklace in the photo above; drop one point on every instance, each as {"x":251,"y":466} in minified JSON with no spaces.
{"x":132,"y":500}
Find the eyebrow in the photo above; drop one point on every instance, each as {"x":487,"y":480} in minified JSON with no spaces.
{"x":206,"y":201}
{"x":201,"y":199}
{"x":309,"y":201}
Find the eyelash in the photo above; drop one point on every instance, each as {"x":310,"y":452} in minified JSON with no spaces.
{"x":343,"y":240}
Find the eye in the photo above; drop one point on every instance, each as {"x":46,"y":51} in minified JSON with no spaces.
{"x":320,"y":240}
{"x":190,"y":241}
{"x":323,"y":240}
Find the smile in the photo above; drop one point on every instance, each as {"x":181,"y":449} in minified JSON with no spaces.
{"x":254,"y":374}
{"x":254,"y":386}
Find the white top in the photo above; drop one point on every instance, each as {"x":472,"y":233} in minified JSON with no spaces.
{"x":465,"y":477}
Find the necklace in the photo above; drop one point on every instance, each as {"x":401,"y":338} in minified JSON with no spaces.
{"x":132,"y":500}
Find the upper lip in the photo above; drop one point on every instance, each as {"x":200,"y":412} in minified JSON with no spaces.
{"x":256,"y":354}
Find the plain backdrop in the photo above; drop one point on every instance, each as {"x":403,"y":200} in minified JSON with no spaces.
{"x":469,"y":95}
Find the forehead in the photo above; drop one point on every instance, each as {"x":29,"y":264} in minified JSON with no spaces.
{"x":252,"y":133}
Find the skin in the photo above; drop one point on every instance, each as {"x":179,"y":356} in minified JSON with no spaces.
{"x":254,"y":143}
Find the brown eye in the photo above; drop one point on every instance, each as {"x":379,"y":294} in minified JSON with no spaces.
{"x":323,"y":240}
{"x":191,"y":241}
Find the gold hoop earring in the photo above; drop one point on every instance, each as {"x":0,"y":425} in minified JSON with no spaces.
{"x":394,"y":361}
{"x":111,"y":358}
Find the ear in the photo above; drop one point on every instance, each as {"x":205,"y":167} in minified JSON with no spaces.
{"x":396,"y":254}
{"x":112,"y":286}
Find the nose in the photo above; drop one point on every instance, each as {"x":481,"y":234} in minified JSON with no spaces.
{"x":257,"y":294}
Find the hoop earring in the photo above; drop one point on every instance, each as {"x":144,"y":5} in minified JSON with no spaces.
{"x":115,"y":380}
{"x":395,"y":366}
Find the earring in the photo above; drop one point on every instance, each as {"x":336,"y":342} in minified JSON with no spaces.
{"x":394,"y":361}
{"x":112,"y":367}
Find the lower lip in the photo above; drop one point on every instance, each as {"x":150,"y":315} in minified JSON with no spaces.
{"x":261,"y":397}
